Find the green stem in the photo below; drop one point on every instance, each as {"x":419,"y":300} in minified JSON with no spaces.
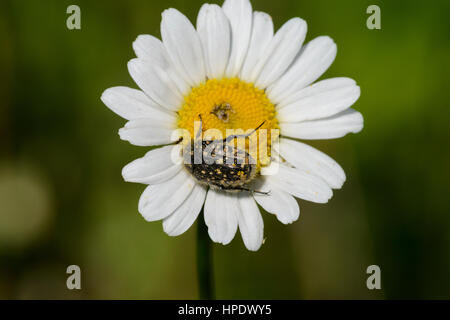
{"x":204,"y":260}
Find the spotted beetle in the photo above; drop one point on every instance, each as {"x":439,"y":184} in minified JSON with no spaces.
{"x":222,"y":166}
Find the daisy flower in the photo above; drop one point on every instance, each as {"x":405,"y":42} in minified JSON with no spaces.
{"x":234,"y":71}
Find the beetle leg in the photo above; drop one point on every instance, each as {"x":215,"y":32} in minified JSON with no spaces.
{"x":253,"y":191}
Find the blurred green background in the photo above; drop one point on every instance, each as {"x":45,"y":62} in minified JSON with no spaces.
{"x":63,"y":200}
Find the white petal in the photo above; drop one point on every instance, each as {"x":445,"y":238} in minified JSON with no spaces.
{"x":313,"y":161}
{"x":149,"y":48}
{"x":239,"y":12}
{"x":301,"y":184}
{"x":155,"y":167}
{"x":250,"y":222}
{"x":262,"y":34}
{"x":323,"y":99}
{"x":281,"y":51}
{"x":147,"y":132}
{"x":183,"y":46}
{"x":156,"y":83}
{"x":221,"y":215}
{"x":214,"y":31}
{"x":133,"y":104}
{"x":153,"y":51}
{"x":314,"y":59}
{"x":328,"y":128}
{"x":185,"y":215}
{"x":158,"y":201}
{"x":278,"y":202}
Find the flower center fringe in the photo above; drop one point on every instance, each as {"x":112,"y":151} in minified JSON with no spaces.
{"x":229,"y":104}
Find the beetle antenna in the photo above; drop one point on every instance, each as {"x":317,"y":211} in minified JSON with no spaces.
{"x":229,"y":138}
{"x":199,"y":132}
{"x":257,"y":127}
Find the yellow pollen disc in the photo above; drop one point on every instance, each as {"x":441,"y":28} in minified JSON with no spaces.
{"x":229,"y":104}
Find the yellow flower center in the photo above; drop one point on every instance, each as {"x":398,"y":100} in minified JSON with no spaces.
{"x":229,"y":104}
